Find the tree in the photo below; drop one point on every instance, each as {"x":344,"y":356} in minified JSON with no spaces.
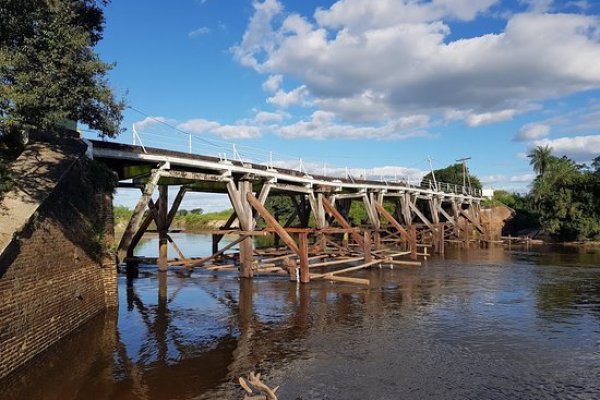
{"x":540,"y":158}
{"x":49,"y":71}
{"x":453,"y":174}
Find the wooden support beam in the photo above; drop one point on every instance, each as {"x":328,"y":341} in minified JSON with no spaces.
{"x":447,"y":216}
{"x":272,"y":222}
{"x":434,"y":209}
{"x":162,"y":227}
{"x":138,"y":213}
{"x":303,"y":247}
{"x":405,"y":235}
{"x":472,"y":220}
{"x":344,"y":260}
{"x":367,"y":246}
{"x":419,"y":214}
{"x":246,"y":246}
{"x":200,"y":262}
{"x":342,"y":271}
{"x":175,"y":206}
{"x":406,"y":214}
{"x":341,"y":220}
{"x":175,"y":247}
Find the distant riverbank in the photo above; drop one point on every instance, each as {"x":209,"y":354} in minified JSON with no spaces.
{"x":189,"y":221}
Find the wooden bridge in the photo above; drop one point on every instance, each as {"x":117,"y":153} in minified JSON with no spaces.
{"x":404,"y":220}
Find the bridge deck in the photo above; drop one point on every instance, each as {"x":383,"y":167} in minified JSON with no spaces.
{"x":136,"y":162}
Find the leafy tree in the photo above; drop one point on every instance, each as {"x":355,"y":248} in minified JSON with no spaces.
{"x":453,"y":174}
{"x":197,"y":211}
{"x":49,"y":71}
{"x":540,"y":158}
{"x":564,"y":195}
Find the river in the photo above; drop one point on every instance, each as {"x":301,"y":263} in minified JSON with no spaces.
{"x":483,"y":324}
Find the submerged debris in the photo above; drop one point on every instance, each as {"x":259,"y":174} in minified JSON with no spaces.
{"x":256,"y":389}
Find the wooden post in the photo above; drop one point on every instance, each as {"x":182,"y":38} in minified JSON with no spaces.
{"x":367,"y":246}
{"x":163,"y":196}
{"x":413,"y":246}
{"x":292,"y":268}
{"x":246,"y":246}
{"x":441,"y":237}
{"x":303,"y":247}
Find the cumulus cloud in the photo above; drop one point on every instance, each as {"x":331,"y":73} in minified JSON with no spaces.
{"x":285,"y":99}
{"x":495,"y":179}
{"x":240,"y":131}
{"x":532,"y":132}
{"x":489,"y":117}
{"x":265,"y":117}
{"x":579,"y":148}
{"x":389,"y":173}
{"x":199,"y":32}
{"x":395,"y":56}
{"x":323,"y":125}
{"x":272,"y":83}
{"x":150,"y":122}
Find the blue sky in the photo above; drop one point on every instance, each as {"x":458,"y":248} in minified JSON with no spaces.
{"x":370,"y":85}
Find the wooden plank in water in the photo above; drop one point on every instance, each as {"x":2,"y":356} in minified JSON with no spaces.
{"x":335,"y":262}
{"x":358,"y":281}
{"x":342,"y":271}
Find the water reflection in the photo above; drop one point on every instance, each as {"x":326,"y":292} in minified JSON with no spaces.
{"x":478,"y":324}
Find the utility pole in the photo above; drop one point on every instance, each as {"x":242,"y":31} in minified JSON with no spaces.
{"x":432,"y":173}
{"x":466,"y":177}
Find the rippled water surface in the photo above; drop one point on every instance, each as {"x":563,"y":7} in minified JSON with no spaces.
{"x":487,"y":324}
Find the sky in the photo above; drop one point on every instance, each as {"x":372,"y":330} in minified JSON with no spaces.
{"x":373,"y":86}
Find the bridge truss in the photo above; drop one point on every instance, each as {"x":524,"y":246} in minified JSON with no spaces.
{"x":404,"y":220}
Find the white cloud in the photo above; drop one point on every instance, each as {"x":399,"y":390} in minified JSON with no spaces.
{"x":389,"y":173}
{"x":272,"y":83}
{"x":579,"y":148}
{"x":199,"y":32}
{"x":198,"y":125}
{"x":285,"y":99}
{"x":150,"y":122}
{"x":539,"y":6}
{"x":395,"y":56}
{"x":532,"y":132}
{"x":366,"y":14}
{"x":238,"y":131}
{"x":265,"y":117}
{"x":495,"y":179}
{"x":259,"y":28}
{"x":323,"y":125}
{"x":489,"y":117}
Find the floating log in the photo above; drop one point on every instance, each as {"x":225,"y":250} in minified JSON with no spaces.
{"x":358,"y":281}
{"x":402,"y":262}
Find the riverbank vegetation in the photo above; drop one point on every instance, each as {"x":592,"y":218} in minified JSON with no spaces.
{"x":564,"y":198}
{"x":188,"y":220}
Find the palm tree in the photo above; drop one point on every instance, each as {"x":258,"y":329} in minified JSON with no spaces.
{"x":541,"y":157}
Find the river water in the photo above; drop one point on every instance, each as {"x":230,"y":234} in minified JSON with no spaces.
{"x":484,"y":324}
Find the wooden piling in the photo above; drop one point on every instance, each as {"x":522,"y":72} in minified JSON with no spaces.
{"x":303,"y":247}
{"x":367,"y":246}
{"x":163,"y":196}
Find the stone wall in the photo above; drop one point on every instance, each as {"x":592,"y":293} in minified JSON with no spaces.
{"x":54,"y":273}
